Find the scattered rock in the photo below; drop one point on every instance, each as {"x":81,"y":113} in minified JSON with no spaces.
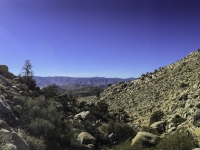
{"x":159,"y":126}
{"x":86,"y":115}
{"x":86,"y":138}
{"x":59,"y":106}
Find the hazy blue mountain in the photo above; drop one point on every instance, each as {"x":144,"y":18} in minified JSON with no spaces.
{"x":64,"y":81}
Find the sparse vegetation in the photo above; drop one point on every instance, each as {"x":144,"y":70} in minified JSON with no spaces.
{"x":156,"y":116}
{"x":178,"y":119}
{"x":41,"y":119}
{"x":100,"y":110}
{"x":2,"y":143}
{"x":178,"y":141}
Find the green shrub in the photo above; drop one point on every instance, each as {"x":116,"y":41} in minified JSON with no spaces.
{"x":156,"y":116}
{"x":41,"y":119}
{"x":122,"y":130}
{"x":178,"y":119}
{"x":198,"y":105}
{"x":17,"y":110}
{"x":177,"y":141}
{"x":183,"y":85}
{"x":100,"y":110}
{"x":183,"y":97}
{"x":125,"y":145}
{"x":196,"y":118}
{"x":35,"y":143}
{"x":2,"y":143}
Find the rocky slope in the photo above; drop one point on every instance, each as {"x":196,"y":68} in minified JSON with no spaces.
{"x":173,"y":89}
{"x":11,"y":92}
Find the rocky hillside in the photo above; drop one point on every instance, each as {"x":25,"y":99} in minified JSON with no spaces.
{"x":159,"y":110}
{"x":173,"y":89}
{"x":73,"y":82}
{"x":11,"y":92}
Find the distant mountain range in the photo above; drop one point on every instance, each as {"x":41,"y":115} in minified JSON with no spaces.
{"x":67,"y":81}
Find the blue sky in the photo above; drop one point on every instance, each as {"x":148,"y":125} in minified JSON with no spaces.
{"x":88,"y":38}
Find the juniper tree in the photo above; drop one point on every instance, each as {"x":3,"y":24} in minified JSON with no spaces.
{"x":27,"y":75}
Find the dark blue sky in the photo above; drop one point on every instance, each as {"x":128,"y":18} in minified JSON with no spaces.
{"x":85,"y":38}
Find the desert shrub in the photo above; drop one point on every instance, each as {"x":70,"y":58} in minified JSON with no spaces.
{"x":2,"y":143}
{"x":62,"y":138}
{"x":125,"y":145}
{"x":183,"y":85}
{"x":178,"y":119}
{"x":50,"y":91}
{"x":196,"y":118}
{"x":198,"y":105}
{"x":122,"y":130}
{"x":183,"y":97}
{"x":39,"y":114}
{"x":100,"y":110}
{"x":35,"y":143}
{"x":177,"y":141}
{"x":41,"y":119}
{"x":34,"y":94}
{"x":40,"y":126}
{"x":17,"y":110}
{"x":156,"y":116}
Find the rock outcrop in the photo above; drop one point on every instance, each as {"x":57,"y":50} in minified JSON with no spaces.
{"x":3,"y":69}
{"x":19,"y":142}
{"x":86,"y":138}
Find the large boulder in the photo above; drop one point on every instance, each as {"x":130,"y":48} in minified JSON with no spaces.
{"x":86,"y":115}
{"x":4,"y":125}
{"x":86,"y":138}
{"x":146,"y":138}
{"x":3,"y":69}
{"x":159,"y":126}
{"x":19,"y":142}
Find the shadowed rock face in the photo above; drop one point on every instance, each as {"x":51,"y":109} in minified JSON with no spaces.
{"x":3,"y":69}
{"x":19,"y":142}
